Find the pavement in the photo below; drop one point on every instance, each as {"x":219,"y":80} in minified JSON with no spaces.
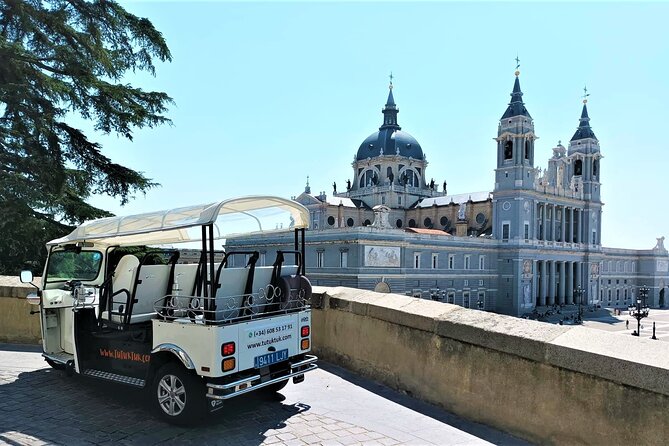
{"x":39,"y":405}
{"x":611,"y":322}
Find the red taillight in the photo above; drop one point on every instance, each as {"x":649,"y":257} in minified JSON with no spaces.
{"x":305,"y":331}
{"x":228,"y":349}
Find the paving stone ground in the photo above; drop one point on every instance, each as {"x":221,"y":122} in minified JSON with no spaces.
{"x":40,"y":406}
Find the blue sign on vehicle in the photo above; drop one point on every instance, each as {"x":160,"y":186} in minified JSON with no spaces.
{"x":270,"y":358}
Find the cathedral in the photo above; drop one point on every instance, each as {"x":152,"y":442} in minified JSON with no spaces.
{"x":532,"y":241}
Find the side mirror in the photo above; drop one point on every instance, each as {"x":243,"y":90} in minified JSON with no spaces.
{"x":26,"y":276}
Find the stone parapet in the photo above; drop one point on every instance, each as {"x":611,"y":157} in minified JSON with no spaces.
{"x":549,"y":384}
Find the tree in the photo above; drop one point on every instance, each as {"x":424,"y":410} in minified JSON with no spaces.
{"x":59,"y":59}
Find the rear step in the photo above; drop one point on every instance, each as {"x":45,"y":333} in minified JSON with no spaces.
{"x":137,"y":382}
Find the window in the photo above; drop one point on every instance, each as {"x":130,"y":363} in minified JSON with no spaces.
{"x":466,"y":282}
{"x":343,"y":259}
{"x":435,"y":258}
{"x":527,"y":230}
{"x":505,"y":231}
{"x":527,"y":150}
{"x":508,"y":150}
{"x":617,"y":294}
{"x":594,"y":237}
{"x":481,"y":262}
{"x":625,"y":294}
{"x":320,"y":255}
{"x":331,"y":220}
{"x":399,"y":201}
{"x":427,"y":222}
{"x":450,"y":297}
{"x":467,"y":261}
{"x":480,"y":303}
{"x":609,"y":294}
{"x":383,"y":199}
{"x":465,"y":299}
{"x":578,"y":167}
{"x":480,"y":282}
{"x":349,"y":222}
{"x":398,"y":223}
{"x":633,"y":267}
{"x":416,"y":260}
{"x":451,"y":261}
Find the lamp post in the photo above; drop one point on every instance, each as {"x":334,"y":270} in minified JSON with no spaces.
{"x":578,"y":297}
{"x":479,"y":304}
{"x":640,"y":310}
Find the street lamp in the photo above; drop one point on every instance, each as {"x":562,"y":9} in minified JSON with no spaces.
{"x":578,"y":297}
{"x":479,"y":304}
{"x":640,"y":310}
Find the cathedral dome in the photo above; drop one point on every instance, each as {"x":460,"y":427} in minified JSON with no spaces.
{"x":389,"y":142}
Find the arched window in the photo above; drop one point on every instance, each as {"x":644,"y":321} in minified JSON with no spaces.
{"x":427,"y":222}
{"x":368,"y":178}
{"x":527,"y":150}
{"x":349,"y":222}
{"x":410,"y":178}
{"x":508,"y":150}
{"x":412,"y":223}
{"x":578,"y":167}
{"x":595,"y":168}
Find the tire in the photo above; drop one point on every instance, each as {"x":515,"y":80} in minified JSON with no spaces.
{"x":178,"y":395}
{"x":55,"y":365}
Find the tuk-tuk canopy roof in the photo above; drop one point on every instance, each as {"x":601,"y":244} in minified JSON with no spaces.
{"x":244,"y":215}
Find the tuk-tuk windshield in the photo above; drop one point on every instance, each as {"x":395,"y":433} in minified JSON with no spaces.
{"x":73,"y":265}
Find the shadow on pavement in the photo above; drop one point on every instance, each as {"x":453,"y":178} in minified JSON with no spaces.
{"x":481,"y":431}
{"x":48,"y":406}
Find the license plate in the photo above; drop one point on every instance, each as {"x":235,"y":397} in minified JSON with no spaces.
{"x":270,"y":358}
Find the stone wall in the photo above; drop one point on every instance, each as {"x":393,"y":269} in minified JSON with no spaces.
{"x":548,"y":384}
{"x":17,"y":325}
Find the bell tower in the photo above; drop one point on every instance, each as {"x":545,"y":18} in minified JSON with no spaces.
{"x":585,"y":156}
{"x":515,"y":144}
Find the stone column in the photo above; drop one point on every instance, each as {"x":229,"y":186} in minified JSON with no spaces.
{"x":579,"y":219}
{"x":543,"y":222}
{"x":554,"y":223}
{"x":535,"y":281}
{"x":544,"y":284}
{"x":551,"y":283}
{"x":570,"y":282}
{"x":571,"y":225}
{"x":561,"y":291}
{"x":579,"y":282}
{"x":563,"y":223}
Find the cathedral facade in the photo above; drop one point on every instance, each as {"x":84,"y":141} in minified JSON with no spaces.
{"x":532,"y":241}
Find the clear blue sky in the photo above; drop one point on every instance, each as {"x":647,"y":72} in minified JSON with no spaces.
{"x":268,"y":93}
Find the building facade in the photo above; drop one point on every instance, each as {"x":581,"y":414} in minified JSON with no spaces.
{"x":534,"y":240}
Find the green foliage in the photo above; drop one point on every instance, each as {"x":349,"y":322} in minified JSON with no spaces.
{"x":59,"y":58}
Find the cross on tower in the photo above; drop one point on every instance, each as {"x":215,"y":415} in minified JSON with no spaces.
{"x":585,"y":94}
{"x":391,"y":80}
{"x":517,"y":62}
